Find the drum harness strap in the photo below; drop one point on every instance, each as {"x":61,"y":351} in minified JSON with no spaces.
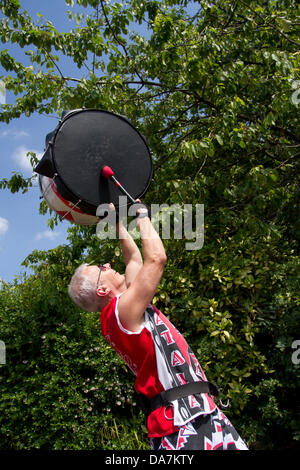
{"x":166,"y":397}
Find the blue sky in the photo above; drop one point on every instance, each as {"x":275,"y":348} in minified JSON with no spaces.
{"x":22,"y":228}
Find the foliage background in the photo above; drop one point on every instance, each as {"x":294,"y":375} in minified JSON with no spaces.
{"x":213,"y":87}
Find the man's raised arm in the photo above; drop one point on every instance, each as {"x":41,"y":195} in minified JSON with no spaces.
{"x":138,"y":296}
{"x":131,"y":254}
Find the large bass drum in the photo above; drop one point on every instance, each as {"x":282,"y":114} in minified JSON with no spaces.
{"x":85,"y":141}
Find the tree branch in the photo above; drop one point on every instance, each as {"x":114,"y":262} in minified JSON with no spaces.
{"x":272,"y":25}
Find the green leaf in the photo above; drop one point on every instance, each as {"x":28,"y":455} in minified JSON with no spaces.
{"x":219,"y":139}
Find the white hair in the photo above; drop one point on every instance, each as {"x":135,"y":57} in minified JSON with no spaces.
{"x":82,"y":290}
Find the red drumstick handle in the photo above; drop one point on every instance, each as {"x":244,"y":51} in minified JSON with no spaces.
{"x":108,"y":173}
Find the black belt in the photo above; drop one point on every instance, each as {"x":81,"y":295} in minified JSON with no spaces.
{"x":167,"y":396}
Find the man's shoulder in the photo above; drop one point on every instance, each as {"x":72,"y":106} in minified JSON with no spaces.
{"x":110,"y":307}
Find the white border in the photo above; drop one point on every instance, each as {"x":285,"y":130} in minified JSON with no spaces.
{"x":128,"y":332}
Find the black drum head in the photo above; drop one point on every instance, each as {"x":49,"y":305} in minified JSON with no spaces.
{"x":86,"y":141}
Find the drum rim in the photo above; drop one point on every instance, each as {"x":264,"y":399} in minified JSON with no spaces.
{"x":82,"y":110}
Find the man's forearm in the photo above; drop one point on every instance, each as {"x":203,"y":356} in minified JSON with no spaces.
{"x":153,"y":248}
{"x":130,"y":250}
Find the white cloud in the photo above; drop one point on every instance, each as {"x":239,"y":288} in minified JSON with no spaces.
{"x":47,"y":234}
{"x":3,"y":226}
{"x":15,"y":134}
{"x":21,"y":158}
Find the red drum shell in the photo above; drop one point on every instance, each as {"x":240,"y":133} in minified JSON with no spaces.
{"x":65,"y":209}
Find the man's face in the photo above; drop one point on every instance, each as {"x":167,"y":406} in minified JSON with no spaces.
{"x":106,"y":276}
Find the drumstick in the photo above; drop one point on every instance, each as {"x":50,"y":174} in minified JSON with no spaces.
{"x":108,"y":173}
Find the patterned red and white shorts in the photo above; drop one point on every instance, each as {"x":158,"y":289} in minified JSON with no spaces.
{"x":207,"y":432}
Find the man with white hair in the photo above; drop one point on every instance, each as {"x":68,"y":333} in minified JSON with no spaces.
{"x":176,"y":397}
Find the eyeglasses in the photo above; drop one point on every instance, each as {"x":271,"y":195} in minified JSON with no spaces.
{"x":100,"y":266}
